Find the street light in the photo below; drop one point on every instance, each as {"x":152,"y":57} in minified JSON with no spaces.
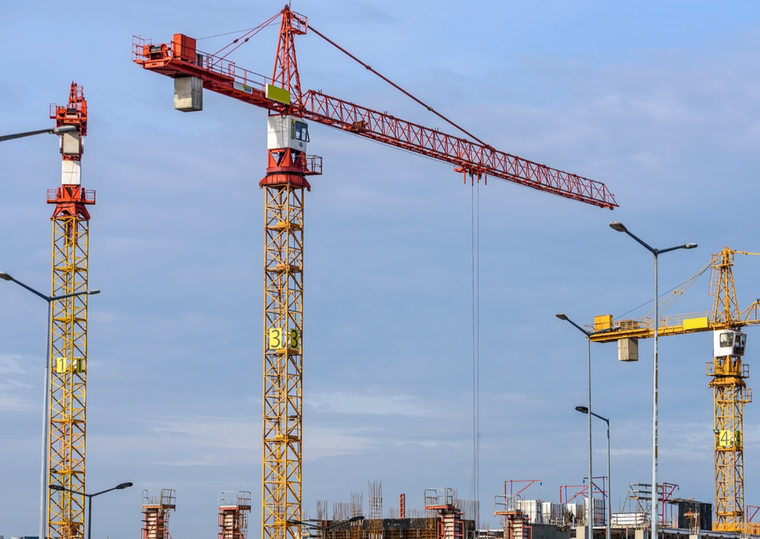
{"x":620,"y":227}
{"x":588,"y":334}
{"x":584,"y":410}
{"x":52,"y":131}
{"x":120,"y":486}
{"x":332,"y":526}
{"x":46,"y":403}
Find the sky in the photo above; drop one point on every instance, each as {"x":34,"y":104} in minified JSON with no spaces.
{"x":659,"y":101}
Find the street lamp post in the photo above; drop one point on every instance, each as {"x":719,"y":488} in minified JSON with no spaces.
{"x":585,"y":410}
{"x":60,"y":130}
{"x":620,"y":227}
{"x":52,"y":131}
{"x":120,"y":486}
{"x":588,"y":334}
{"x":45,"y":399}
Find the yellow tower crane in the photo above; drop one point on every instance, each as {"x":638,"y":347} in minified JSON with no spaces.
{"x":728,"y":373}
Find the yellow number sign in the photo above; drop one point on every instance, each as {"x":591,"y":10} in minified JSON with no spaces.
{"x":729,"y":439}
{"x":278,"y":341}
{"x":295,"y":339}
{"x":275,"y":339}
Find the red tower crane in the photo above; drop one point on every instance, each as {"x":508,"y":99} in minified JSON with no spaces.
{"x":288,"y":165}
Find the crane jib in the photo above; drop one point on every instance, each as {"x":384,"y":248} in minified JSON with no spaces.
{"x":471,"y":156}
{"x":222,"y":76}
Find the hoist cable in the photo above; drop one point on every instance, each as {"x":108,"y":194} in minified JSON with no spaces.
{"x":399,"y":88}
{"x":475,"y":211}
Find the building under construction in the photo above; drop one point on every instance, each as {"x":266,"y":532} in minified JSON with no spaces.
{"x":445,"y":516}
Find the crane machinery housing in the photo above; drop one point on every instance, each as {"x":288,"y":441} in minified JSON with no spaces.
{"x":728,"y":373}
{"x":288,"y":166}
{"x":66,"y":407}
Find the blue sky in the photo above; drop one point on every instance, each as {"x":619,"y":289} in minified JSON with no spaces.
{"x":660,"y":101}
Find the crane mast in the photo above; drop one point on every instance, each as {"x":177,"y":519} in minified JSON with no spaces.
{"x":730,"y":394}
{"x":68,"y":351}
{"x":284,"y":185}
{"x":728,"y":373}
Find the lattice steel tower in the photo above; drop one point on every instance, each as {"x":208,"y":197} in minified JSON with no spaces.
{"x":68,"y":351}
{"x":730,"y":394}
{"x":284,"y":184}
{"x":283,"y":322}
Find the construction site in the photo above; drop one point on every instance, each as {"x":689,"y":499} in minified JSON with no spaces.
{"x":422,"y":384}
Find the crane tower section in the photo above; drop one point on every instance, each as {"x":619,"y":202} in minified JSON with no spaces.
{"x":68,"y":351}
{"x":284,"y":187}
{"x":730,"y":394}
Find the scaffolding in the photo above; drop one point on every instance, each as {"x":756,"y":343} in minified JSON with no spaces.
{"x":344,"y":524}
{"x":450,"y":524}
{"x":156,"y":507}
{"x":234,"y":508}
{"x":639,"y":503}
{"x":516,"y":521}
{"x":355,"y":531}
{"x":375,"y":502}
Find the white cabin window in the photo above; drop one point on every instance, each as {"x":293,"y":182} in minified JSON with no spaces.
{"x":300,"y":131}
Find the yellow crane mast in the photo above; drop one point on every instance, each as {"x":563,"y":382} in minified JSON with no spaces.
{"x":728,"y":373}
{"x":68,"y":351}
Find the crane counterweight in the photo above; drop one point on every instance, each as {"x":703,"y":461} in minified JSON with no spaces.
{"x":188,"y":94}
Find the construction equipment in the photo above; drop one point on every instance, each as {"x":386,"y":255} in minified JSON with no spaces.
{"x":68,"y":351}
{"x":730,"y":392}
{"x":517,"y":522}
{"x":157,"y":506}
{"x":288,"y":166}
{"x":450,"y":524}
{"x":233,"y":514}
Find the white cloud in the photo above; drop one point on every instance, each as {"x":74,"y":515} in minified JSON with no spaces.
{"x":15,"y":403}
{"x":11,"y":364}
{"x":15,"y":391}
{"x":322,"y":442}
{"x":370,"y":404}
